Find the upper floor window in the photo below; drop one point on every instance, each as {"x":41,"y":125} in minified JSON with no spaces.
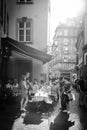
{"x":60,"y":33}
{"x":25,"y":1}
{"x":65,"y":52}
{"x":24,"y":30}
{"x":65,"y":48}
{"x":56,"y":42}
{"x":65,"y":32}
{"x":65,"y":43}
{"x":66,"y":40}
{"x":65,"y":58}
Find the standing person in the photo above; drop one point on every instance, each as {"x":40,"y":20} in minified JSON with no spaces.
{"x":28,"y":83}
{"x":35,"y":85}
{"x":15,"y":83}
{"x":81,"y":83}
{"x":61,"y":84}
{"x":15,"y":87}
{"x":24,"y":92}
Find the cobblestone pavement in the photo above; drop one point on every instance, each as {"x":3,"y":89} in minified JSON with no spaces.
{"x":73,"y":119}
{"x":76,"y":119}
{"x":19,"y":125}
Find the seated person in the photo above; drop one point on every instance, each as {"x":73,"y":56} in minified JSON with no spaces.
{"x":15,"y":83}
{"x":15,"y":87}
{"x":35,"y":85}
{"x":9,"y":84}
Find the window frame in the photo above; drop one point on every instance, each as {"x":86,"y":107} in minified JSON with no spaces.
{"x":66,"y":43}
{"x":65,"y":58}
{"x":25,"y":20}
{"x":65,"y":48}
{"x":66,"y":40}
{"x":24,"y":2}
{"x":65,"y":32}
{"x":66,"y":52}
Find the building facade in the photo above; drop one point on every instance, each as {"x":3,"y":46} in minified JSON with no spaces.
{"x":36,"y":13}
{"x":4,"y":20}
{"x":63,"y":49}
{"x":82,"y":49}
{"x":4,"y":25}
{"x":79,"y":46}
{"x":27,"y":36}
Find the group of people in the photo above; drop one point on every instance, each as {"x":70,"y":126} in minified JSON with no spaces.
{"x":24,"y":88}
{"x":65,"y":87}
{"x":65,"y":92}
{"x":56,"y":87}
{"x":12,"y":89}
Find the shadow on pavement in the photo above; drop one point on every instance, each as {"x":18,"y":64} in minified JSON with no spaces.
{"x":39,"y":107}
{"x":36,"y":112}
{"x":83,"y":118}
{"x":10,"y":112}
{"x":61,"y":122}
{"x":33,"y":118}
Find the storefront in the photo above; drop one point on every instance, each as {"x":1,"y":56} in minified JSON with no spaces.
{"x":18,"y":58}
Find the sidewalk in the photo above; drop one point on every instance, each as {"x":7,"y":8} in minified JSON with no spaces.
{"x":57,"y":120}
{"x":75,"y":120}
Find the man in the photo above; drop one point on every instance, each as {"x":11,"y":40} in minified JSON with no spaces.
{"x":28,"y":83}
{"x":25,"y":88}
{"x":27,"y":75}
{"x":24,"y":92}
{"x":81,"y":84}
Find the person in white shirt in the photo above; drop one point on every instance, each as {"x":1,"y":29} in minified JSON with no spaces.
{"x":24,"y":92}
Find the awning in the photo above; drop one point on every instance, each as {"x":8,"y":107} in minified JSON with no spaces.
{"x":25,"y":49}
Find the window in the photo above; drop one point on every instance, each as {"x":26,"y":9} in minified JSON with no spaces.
{"x":24,"y":30}
{"x":66,"y":40}
{"x":65,"y":52}
{"x":65,"y":48}
{"x":25,"y":1}
{"x":56,"y":42}
{"x":60,"y":33}
{"x":65,"y":43}
{"x":65,"y":32}
{"x":65,"y":58}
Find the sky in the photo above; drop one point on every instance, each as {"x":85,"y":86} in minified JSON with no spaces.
{"x":62,"y":9}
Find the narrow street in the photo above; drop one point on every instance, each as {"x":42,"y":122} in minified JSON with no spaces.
{"x":43,"y":59}
{"x":76,"y":119}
